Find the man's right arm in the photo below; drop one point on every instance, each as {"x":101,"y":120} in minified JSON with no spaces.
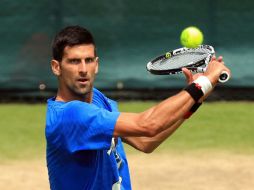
{"x":162,"y":116}
{"x":156,"y":119}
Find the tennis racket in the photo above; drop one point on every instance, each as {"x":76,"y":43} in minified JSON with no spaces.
{"x":194,"y":59}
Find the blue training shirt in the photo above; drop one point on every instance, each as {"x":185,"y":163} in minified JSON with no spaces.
{"x":81,"y":151}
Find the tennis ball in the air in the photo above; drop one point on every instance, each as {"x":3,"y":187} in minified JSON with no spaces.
{"x":191,"y":37}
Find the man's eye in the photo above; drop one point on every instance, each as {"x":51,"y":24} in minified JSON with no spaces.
{"x":74,"y":61}
{"x":90,"y":59}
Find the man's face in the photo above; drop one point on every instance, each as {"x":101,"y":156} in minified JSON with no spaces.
{"x":77,"y":70}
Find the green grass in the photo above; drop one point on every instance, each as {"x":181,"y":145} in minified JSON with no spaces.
{"x":226,"y":126}
{"x":22,"y":131}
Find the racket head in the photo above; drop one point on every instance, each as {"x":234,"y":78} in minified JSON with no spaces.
{"x":172,"y":62}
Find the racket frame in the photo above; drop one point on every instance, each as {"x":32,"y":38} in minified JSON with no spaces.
{"x":199,"y":66}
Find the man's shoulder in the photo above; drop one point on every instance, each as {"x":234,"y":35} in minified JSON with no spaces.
{"x":63,"y":112}
{"x":64,"y":106}
{"x":98,"y":96}
{"x":97,"y":92}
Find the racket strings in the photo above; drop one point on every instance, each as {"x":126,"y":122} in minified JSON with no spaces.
{"x":188,"y":59}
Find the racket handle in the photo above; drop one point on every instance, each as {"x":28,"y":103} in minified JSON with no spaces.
{"x":224,"y":77}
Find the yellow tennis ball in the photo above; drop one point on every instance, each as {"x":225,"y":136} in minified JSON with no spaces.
{"x":191,"y":37}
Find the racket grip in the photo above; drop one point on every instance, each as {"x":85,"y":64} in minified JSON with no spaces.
{"x":224,"y":77}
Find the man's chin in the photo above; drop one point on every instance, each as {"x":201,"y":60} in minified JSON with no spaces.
{"x":84,"y":91}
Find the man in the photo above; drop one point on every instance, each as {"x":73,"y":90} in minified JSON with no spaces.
{"x":84,"y":129}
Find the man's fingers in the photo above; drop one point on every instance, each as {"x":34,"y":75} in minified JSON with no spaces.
{"x":220,"y":59}
{"x":213,"y":58}
{"x":188,"y":75}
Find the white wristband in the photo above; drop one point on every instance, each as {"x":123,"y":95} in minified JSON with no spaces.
{"x":204,"y":83}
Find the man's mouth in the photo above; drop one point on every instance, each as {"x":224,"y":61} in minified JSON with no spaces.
{"x":83,"y":81}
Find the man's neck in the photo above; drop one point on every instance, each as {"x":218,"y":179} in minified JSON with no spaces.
{"x":67,"y":98}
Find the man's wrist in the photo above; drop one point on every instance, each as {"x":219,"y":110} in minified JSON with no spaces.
{"x":204,"y":83}
{"x":200,"y":87}
{"x":192,"y":110}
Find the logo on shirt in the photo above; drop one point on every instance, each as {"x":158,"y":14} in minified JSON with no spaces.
{"x":113,"y":150}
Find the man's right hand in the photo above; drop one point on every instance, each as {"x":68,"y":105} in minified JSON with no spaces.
{"x":214,"y":70}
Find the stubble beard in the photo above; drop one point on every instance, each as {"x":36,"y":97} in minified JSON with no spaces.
{"x":80,"y":92}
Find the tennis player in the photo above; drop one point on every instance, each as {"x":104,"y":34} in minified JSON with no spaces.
{"x":84,"y":129}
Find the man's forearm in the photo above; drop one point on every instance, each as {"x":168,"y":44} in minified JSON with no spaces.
{"x":156,"y":119}
{"x":149,"y":144}
{"x":169,"y":111}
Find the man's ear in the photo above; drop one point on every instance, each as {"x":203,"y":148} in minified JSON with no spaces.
{"x":97,"y":65}
{"x":55,"y":66}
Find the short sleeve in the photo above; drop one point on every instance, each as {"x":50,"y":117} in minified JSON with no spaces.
{"x":87,"y":127}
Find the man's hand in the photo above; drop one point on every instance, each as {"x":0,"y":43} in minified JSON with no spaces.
{"x":213,"y":72}
{"x":214,"y":69}
{"x":189,"y":76}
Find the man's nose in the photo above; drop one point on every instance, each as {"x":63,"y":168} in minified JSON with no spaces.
{"x":83,"y":67}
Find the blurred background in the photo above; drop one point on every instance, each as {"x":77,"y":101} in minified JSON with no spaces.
{"x":128,"y":34}
{"x":213,"y":150}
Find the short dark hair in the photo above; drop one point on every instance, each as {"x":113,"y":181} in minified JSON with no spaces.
{"x":70,"y":36}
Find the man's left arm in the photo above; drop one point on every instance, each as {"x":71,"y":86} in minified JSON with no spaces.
{"x":149,"y":144}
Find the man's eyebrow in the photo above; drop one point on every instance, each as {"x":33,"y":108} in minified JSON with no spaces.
{"x":73,"y":59}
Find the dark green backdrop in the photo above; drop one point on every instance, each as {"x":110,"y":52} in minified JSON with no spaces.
{"x":128,"y":34}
